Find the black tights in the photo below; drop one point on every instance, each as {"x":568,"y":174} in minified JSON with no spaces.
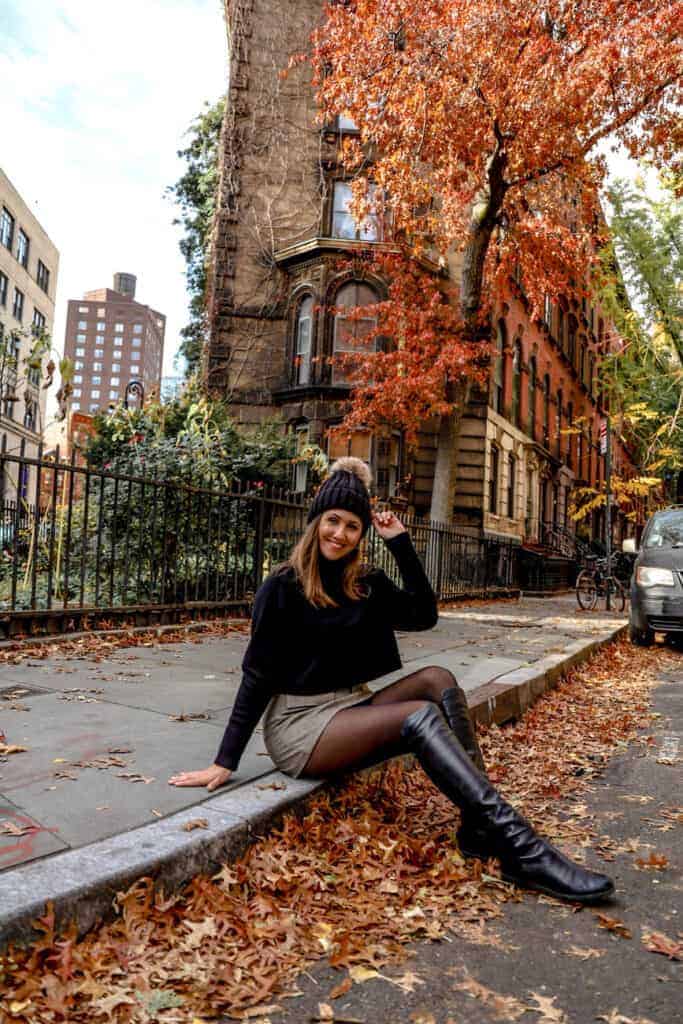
{"x":367,"y":734}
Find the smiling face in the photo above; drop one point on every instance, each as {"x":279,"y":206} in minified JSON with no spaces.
{"x":339,"y":532}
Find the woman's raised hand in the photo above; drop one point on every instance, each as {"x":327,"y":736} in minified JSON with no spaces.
{"x":387,"y":525}
{"x":212,"y":777}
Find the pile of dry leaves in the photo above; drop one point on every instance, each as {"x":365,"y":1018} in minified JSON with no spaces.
{"x":371,"y":866}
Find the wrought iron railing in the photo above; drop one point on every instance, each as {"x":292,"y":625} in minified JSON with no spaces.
{"x":74,"y":536}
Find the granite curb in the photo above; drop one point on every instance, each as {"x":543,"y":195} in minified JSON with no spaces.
{"x":81,"y":885}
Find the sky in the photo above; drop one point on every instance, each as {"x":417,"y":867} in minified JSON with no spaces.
{"x":95,"y":99}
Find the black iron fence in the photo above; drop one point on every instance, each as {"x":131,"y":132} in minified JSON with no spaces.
{"x":75,"y":538}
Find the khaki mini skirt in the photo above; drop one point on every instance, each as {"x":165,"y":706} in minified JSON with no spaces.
{"x":293,"y":723}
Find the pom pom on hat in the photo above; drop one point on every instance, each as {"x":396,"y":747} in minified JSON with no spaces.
{"x":351,"y":464}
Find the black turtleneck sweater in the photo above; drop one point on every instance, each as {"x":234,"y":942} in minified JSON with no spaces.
{"x":300,"y":649}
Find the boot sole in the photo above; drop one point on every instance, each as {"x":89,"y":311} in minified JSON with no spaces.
{"x":522,"y":884}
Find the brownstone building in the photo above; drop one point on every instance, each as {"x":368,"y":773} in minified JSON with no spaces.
{"x":112,"y":340}
{"x":283,"y":251}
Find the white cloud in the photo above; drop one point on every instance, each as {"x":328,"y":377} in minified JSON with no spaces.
{"x":95,"y":100}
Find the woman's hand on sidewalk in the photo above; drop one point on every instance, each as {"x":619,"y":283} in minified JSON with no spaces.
{"x":212,"y":777}
{"x":387,"y":525}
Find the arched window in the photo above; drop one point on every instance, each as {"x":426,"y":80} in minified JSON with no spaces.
{"x":532,"y":397}
{"x":512,"y":479}
{"x":303,"y":333}
{"x":546,"y":410}
{"x":558,"y":420}
{"x":493,"y":479}
{"x":349,"y":332}
{"x":498,"y":390}
{"x":515,"y":413}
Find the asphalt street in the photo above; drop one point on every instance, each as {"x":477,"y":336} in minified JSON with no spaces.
{"x":544,"y":962}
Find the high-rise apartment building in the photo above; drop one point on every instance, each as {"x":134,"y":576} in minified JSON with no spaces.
{"x":112,"y":340}
{"x":28,"y":281}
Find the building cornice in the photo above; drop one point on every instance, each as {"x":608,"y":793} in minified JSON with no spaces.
{"x":318,"y":246}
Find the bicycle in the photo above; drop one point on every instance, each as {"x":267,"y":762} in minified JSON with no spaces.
{"x":595,"y":582}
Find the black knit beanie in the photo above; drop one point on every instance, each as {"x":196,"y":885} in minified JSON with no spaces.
{"x":346,"y":487}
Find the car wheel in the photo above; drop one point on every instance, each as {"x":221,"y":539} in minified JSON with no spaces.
{"x":642,"y":637}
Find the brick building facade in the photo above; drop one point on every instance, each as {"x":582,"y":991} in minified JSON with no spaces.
{"x":283,"y":251}
{"x":112,"y":340}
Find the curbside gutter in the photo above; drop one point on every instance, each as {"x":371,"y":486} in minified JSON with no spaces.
{"x":82,"y":884}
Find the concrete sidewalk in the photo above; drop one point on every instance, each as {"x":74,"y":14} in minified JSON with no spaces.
{"x":88,"y":804}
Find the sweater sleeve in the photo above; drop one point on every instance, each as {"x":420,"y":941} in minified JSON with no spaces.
{"x":261,"y":666}
{"x":413,"y":607}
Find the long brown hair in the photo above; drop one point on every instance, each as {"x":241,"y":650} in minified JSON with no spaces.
{"x":305,"y":560}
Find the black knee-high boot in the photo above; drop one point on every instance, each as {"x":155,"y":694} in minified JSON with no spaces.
{"x":525,"y":858}
{"x":472,"y":840}
{"x":454,"y":706}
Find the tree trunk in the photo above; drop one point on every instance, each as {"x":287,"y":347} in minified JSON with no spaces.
{"x":484,"y":218}
{"x":443,"y":490}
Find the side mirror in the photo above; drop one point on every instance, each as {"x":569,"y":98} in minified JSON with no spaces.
{"x":628,"y":546}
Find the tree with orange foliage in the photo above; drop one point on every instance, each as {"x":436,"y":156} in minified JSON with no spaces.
{"x":480,"y":123}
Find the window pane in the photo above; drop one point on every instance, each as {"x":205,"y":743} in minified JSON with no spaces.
{"x":22,"y":248}
{"x":6,"y":228}
{"x":42,"y":276}
{"x":348,"y":333}
{"x":343,"y":224}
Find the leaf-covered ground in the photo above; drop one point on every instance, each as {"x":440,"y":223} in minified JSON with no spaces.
{"x":98,"y":645}
{"x":371,"y":867}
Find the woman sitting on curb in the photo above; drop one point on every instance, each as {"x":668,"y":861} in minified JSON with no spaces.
{"x":322,"y":627}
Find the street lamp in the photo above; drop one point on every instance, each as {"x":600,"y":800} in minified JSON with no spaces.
{"x":135,"y":388}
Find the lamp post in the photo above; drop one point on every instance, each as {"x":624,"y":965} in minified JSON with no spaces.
{"x":135,"y":388}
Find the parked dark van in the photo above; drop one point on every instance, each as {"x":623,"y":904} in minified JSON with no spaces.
{"x":657,"y":580}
